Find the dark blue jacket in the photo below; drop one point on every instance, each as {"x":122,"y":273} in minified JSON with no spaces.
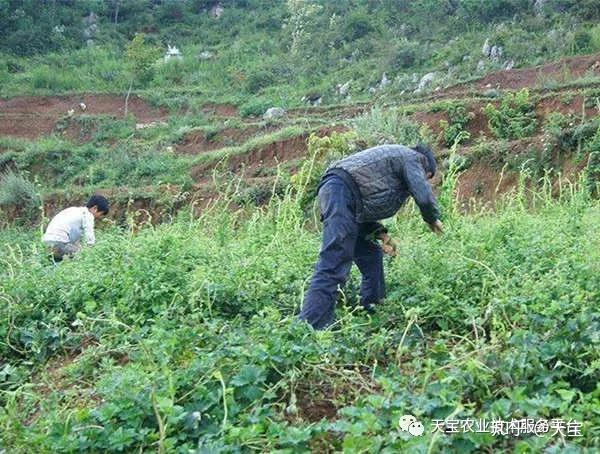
{"x":382,"y":178}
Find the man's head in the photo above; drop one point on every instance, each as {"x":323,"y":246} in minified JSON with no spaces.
{"x":98,"y":206}
{"x":428,"y":153}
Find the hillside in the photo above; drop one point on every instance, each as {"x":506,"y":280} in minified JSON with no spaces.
{"x":177,"y":332}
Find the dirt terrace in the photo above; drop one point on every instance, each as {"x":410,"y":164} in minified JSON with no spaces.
{"x":32,"y":117}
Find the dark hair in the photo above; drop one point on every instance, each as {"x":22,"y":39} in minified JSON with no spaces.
{"x":100,"y":202}
{"x":426,"y":151}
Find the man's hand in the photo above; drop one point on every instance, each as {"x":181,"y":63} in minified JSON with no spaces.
{"x":437,"y":227}
{"x":387,"y":244}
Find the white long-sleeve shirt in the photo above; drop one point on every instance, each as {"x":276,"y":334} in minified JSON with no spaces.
{"x":70,"y":225}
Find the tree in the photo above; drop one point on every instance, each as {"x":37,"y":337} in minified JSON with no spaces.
{"x":141,"y":58}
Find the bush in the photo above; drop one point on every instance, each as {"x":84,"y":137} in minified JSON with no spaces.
{"x":404,"y":55}
{"x":582,"y":41}
{"x":18,"y":193}
{"x":491,"y":10}
{"x":381,"y":126}
{"x":258,"y":80}
{"x":515,"y":118}
{"x":454,"y":129}
{"x":358,"y":25}
{"x":255,"y":107}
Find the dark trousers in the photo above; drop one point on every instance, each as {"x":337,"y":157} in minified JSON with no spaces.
{"x":344,"y":242}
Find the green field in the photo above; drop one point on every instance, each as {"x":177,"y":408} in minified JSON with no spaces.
{"x":178,"y":331}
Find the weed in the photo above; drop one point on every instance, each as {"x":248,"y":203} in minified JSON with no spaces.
{"x":514,"y":118}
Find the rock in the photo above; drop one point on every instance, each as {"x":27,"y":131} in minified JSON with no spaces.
{"x":153,"y":124}
{"x":508,"y":65}
{"x":216,"y":11}
{"x":344,"y":89}
{"x":70,"y":112}
{"x":82,"y":106}
{"x":90,"y":27}
{"x":492,"y":93}
{"x":314,"y":99}
{"x":205,"y":55}
{"x":172,"y":53}
{"x":90,"y":19}
{"x":486,"y":48}
{"x":273,"y":113}
{"x":384,"y":81}
{"x":426,"y":81}
{"x":496,"y":53}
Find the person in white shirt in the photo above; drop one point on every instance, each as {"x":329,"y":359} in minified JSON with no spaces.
{"x":66,"y":229}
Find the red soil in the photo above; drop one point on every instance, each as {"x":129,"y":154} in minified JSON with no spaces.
{"x":197,"y":142}
{"x":31,"y":117}
{"x":564,"y":70}
{"x":266,"y":156}
{"x":220,"y":110}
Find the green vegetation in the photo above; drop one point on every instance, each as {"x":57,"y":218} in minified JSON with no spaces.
{"x":177,"y":332}
{"x":514,"y":118}
{"x":18,"y":193}
{"x":454,"y":129}
{"x":380,"y":126}
{"x":262,"y":48}
{"x":182,"y":336}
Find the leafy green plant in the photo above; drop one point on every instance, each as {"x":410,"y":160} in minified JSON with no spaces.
{"x":141,"y":57}
{"x":322,"y":151}
{"x":380,"y":126}
{"x":454,"y":130}
{"x":255,"y":107}
{"x":515,"y":118}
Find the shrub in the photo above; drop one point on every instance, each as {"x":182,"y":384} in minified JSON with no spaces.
{"x":18,"y":193}
{"x":514,"y":118}
{"x":357,"y":26}
{"x":582,"y":41}
{"x":381,"y":126}
{"x":255,"y":107}
{"x":258,"y":80}
{"x":453,"y":130}
{"x":404,"y":55}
